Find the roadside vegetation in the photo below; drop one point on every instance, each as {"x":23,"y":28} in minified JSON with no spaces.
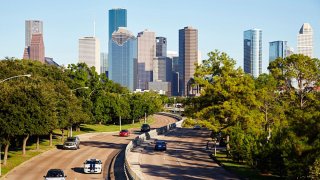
{"x":15,"y":156}
{"x":60,"y":98}
{"x":241,"y":169}
{"x":270,"y":123}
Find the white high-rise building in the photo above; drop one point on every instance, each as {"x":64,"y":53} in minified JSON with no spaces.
{"x":146,"y":52}
{"x":89,"y":52}
{"x":199,"y":57}
{"x":305,"y":40}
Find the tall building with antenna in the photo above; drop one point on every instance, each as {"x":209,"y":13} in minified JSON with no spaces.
{"x":89,"y":50}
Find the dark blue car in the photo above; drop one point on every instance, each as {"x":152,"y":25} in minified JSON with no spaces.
{"x":160,"y":146}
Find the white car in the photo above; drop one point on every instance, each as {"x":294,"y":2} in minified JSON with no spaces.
{"x":92,"y":166}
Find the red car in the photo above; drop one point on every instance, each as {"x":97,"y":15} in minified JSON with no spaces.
{"x":124,"y":133}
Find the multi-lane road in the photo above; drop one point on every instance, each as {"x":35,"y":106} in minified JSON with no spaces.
{"x":186,"y":157}
{"x":103,"y":146}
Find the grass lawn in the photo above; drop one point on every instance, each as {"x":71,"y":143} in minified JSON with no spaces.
{"x":242,"y":170}
{"x":15,"y":157}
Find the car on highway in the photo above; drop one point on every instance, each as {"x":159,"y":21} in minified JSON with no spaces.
{"x":92,"y":166}
{"x":72,"y":143}
{"x":160,"y":145}
{"x":124,"y":133}
{"x":196,"y":127}
{"x":145,"y":128}
{"x":55,"y":174}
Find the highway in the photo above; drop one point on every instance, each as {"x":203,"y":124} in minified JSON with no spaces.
{"x":186,"y":157}
{"x":103,"y":146}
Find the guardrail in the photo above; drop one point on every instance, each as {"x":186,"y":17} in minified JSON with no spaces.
{"x":146,"y":136}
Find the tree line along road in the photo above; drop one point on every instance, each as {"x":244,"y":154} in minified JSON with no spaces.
{"x":103,"y":146}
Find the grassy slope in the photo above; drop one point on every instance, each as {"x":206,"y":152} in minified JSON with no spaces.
{"x":242,"y":170}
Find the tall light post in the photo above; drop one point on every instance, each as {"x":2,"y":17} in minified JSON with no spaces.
{"x":71,"y":95}
{"x":178,"y":82}
{"x":25,"y":75}
{"x":174,"y":105}
{"x":119,"y":112}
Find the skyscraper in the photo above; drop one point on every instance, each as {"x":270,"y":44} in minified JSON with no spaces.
{"x":188,"y":56}
{"x":252,"y":52}
{"x":305,"y":40}
{"x":117,"y":18}
{"x":277,"y":49}
{"x":32,"y":27}
{"x":176,"y":71}
{"x":34,"y":46}
{"x":161,"y":43}
{"x":123,"y":58}
{"x":146,"y":52}
{"x":104,"y":63}
{"x":89,"y":52}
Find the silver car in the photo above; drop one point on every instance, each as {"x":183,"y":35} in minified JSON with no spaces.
{"x":72,"y":143}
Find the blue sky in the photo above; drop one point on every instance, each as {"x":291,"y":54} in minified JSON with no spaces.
{"x":220,"y":23}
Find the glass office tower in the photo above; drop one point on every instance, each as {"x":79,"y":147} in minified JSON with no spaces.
{"x":123,"y":58}
{"x":161,"y":49}
{"x":252,"y":52}
{"x":117,"y":18}
{"x":277,"y":49}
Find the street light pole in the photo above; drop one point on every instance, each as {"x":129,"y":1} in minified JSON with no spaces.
{"x":119,"y":114}
{"x":174,"y":105}
{"x":71,"y":95}
{"x":120,"y":121}
{"x":25,"y":75}
{"x":145,"y":117}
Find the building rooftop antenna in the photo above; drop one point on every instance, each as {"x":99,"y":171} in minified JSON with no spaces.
{"x":94,"y":28}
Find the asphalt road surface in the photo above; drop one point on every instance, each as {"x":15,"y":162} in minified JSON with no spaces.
{"x":186,"y":157}
{"x":103,"y":146}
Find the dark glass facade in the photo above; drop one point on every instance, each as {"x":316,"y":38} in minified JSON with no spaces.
{"x":117,"y":18}
{"x":161,"y":46}
{"x":123,"y":59}
{"x":277,"y":49}
{"x":181,"y":62}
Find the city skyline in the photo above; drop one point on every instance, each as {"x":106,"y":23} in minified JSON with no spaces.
{"x":218,"y":29}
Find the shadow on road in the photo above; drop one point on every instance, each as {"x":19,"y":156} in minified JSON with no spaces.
{"x":78,"y":170}
{"x":103,"y":144}
{"x":59,"y":146}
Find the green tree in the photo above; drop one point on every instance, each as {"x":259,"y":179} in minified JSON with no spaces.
{"x":227,"y":94}
{"x":298,"y":77}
